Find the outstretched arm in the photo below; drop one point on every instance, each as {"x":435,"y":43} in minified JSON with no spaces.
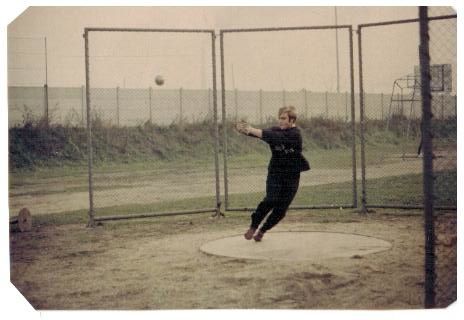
{"x":248,"y":130}
{"x":258,"y":133}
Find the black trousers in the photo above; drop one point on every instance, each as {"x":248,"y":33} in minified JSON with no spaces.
{"x":281,"y":188}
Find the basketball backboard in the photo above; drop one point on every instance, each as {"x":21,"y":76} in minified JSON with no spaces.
{"x":441,"y":77}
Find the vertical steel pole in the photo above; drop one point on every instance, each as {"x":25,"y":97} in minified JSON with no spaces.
{"x":117,"y":105}
{"x":336,"y":50}
{"x":284,"y":98}
{"x":46,"y":61}
{"x":260,"y":106}
{"x":46,"y":116}
{"x":150,"y":92}
{"x":361,"y":119}
{"x":224,"y":123}
{"x":427,"y":150}
{"x":82,"y":104}
{"x":46,"y":111}
{"x":91,"y":222}
{"x":216,"y":127}
{"x":353,"y":121}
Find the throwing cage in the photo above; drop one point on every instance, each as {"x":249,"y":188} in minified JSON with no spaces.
{"x":111,"y":56}
{"x":291,"y":68}
{"x":397,"y":136}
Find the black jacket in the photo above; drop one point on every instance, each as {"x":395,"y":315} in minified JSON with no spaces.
{"x":286,"y":148}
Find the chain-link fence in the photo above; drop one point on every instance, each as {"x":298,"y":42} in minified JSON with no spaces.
{"x":67,"y":105}
{"x":443,"y":53}
{"x":175,"y":128}
{"x":296,"y":66}
{"x":259,"y":106}
{"x":123,"y":106}
{"x":391,"y":143}
{"x":416,"y":173}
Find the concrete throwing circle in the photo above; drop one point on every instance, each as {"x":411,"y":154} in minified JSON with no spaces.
{"x":296,"y":246}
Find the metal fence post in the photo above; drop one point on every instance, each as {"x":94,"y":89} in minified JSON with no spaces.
{"x":361,"y":119}
{"x":46,"y":115}
{"x":82,"y":104}
{"x":353,"y":122}
{"x":260,"y":106}
{"x":224,"y":122}
{"x":216,"y":129}
{"x":117,"y":105}
{"x":150,"y":92}
{"x":427,"y":150}
{"x":284,"y":97}
{"x":91,"y":222}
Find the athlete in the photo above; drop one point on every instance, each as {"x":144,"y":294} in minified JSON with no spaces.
{"x":285,"y":166}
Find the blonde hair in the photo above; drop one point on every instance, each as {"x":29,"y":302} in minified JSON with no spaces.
{"x":290,"y":111}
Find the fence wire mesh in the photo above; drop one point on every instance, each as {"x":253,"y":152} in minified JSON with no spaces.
{"x":391,"y":115}
{"x":443,"y":52}
{"x":153,"y":146}
{"x":291,"y":70}
{"x":392,"y":109}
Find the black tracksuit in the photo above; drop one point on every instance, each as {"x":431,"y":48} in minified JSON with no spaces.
{"x":283,"y":176}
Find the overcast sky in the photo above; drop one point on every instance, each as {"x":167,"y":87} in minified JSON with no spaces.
{"x":269,"y":61}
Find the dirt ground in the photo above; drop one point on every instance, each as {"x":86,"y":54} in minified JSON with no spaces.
{"x":157,"y":264}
